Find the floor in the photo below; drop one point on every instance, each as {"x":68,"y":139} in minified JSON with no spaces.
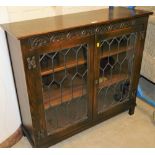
{"x":122,"y":130}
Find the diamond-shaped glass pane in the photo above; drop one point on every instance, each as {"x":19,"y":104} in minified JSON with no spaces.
{"x":116,"y":61}
{"x":64,"y":85}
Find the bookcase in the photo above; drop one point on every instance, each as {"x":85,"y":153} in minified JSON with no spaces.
{"x":74,"y":71}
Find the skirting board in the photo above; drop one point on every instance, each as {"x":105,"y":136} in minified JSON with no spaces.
{"x":13,"y":139}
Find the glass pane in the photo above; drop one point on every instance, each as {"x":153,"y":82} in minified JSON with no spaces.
{"x":116,"y":61}
{"x":64,"y":85}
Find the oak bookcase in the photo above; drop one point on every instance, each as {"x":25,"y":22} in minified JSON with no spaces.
{"x":74,"y":71}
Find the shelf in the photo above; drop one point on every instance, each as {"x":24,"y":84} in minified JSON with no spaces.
{"x":106,"y":99}
{"x":114,"y":52}
{"x":73,"y":63}
{"x":115,"y":79}
{"x":56,"y":99}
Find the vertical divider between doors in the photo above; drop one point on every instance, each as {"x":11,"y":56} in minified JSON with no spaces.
{"x":96,"y":73}
{"x":91,"y":76}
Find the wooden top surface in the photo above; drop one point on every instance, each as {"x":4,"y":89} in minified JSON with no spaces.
{"x":28,"y":28}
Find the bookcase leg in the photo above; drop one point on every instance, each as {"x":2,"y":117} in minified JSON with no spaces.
{"x":132,"y":109}
{"x":23,"y":132}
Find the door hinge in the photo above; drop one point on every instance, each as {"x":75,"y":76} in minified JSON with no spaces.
{"x":31,"y":62}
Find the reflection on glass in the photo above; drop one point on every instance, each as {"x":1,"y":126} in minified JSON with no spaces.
{"x":64,"y":84}
{"x":116,"y":60}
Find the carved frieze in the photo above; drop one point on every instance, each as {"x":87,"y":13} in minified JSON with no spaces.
{"x":37,"y":41}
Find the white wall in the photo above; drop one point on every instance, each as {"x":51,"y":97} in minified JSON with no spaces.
{"x":9,"y":112}
{"x":26,"y":13}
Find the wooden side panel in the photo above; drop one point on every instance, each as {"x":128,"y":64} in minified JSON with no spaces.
{"x":20,"y":82}
{"x":34,"y":90}
{"x":137,"y":65}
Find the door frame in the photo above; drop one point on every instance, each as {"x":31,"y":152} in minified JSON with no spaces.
{"x":35,"y":95}
{"x":118,"y":108}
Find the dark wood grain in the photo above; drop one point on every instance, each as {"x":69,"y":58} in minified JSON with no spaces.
{"x":34,"y":90}
{"x":63,"y":22}
{"x":137,"y":67}
{"x":28,"y":40}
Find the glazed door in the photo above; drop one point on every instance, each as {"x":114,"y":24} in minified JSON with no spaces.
{"x":115,"y":54}
{"x":65,"y":69}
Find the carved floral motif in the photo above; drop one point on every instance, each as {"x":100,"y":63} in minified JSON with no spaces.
{"x":42,"y":40}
